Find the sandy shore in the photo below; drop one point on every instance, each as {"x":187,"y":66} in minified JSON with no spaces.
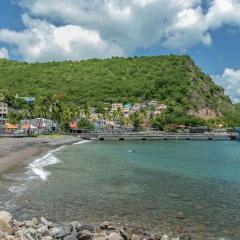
{"x":17,"y":151}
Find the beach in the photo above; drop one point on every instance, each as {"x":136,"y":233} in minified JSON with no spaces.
{"x":19,"y":151}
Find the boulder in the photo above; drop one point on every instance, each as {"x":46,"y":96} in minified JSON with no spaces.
{"x":84,"y":235}
{"x":5,"y":217}
{"x":46,"y":222}
{"x":61,"y":231}
{"x":43,"y":230}
{"x":107,"y":225}
{"x":115,"y":236}
{"x":135,"y":237}
{"x":81,"y":227}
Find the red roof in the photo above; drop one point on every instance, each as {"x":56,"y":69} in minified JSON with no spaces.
{"x":73,"y":125}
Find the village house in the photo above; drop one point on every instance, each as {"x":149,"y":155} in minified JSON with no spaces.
{"x":3,"y":116}
{"x":116,"y":106}
{"x":126,"y":109}
{"x":136,"y":107}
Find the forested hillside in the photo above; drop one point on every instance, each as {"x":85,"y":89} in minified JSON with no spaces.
{"x":175,"y":80}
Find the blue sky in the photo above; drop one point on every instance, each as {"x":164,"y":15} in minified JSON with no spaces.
{"x":207,"y":30}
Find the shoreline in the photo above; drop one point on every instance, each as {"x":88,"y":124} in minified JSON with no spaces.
{"x":42,"y":229}
{"x":17,"y":152}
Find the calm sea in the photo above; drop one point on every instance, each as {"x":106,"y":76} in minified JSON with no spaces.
{"x":97,"y":181}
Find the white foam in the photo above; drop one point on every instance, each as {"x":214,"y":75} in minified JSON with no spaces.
{"x":37,"y":166}
{"x":81,"y":142}
{"x":18,"y":190}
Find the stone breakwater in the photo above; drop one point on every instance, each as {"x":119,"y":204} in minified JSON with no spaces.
{"x":42,"y":229}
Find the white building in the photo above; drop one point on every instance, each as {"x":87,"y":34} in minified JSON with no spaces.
{"x":3,"y":110}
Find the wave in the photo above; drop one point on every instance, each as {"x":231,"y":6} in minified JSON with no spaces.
{"x":36,"y":169}
{"x":81,"y":142}
{"x":37,"y":166}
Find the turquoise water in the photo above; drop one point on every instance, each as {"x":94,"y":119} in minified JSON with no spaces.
{"x":99,"y":181}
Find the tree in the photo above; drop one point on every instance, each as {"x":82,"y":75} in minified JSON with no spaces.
{"x":84,"y":123}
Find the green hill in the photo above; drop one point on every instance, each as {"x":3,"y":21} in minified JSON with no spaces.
{"x":175,"y":80}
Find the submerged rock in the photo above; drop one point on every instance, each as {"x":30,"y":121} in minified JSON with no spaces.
{"x":180,"y":215}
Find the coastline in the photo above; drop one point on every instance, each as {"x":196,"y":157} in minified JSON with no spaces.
{"x":16,"y":152}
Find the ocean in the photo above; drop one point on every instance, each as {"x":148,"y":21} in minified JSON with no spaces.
{"x":138,"y":184}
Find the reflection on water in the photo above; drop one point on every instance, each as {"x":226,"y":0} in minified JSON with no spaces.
{"x":148,"y":188}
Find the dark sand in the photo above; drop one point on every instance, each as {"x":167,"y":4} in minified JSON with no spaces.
{"x":17,"y":151}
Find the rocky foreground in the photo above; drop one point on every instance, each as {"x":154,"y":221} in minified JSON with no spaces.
{"x":42,"y":229}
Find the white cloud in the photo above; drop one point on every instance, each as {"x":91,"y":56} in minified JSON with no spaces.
{"x":79,"y":29}
{"x":42,"y":41}
{"x":230,"y":80}
{"x":3,"y":53}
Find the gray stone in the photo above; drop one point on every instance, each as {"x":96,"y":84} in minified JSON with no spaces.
{"x":47,"y":238}
{"x":61,"y":231}
{"x":9,"y":237}
{"x":44,"y":221}
{"x":84,"y":235}
{"x":135,"y":237}
{"x":42,"y":230}
{"x":99,"y":235}
{"x":70,"y":237}
{"x":5,"y":217}
{"x":115,"y":236}
{"x":32,"y":231}
{"x":35,"y":221}
{"x":2,"y":235}
{"x":81,"y":227}
{"x":107,"y":225}
{"x":99,"y":238}
{"x":124,"y":234}
{"x":184,"y":236}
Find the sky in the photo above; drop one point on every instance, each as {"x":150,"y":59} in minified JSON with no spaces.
{"x":47,"y":30}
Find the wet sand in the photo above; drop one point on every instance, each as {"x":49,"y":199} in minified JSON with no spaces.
{"x":17,"y":151}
